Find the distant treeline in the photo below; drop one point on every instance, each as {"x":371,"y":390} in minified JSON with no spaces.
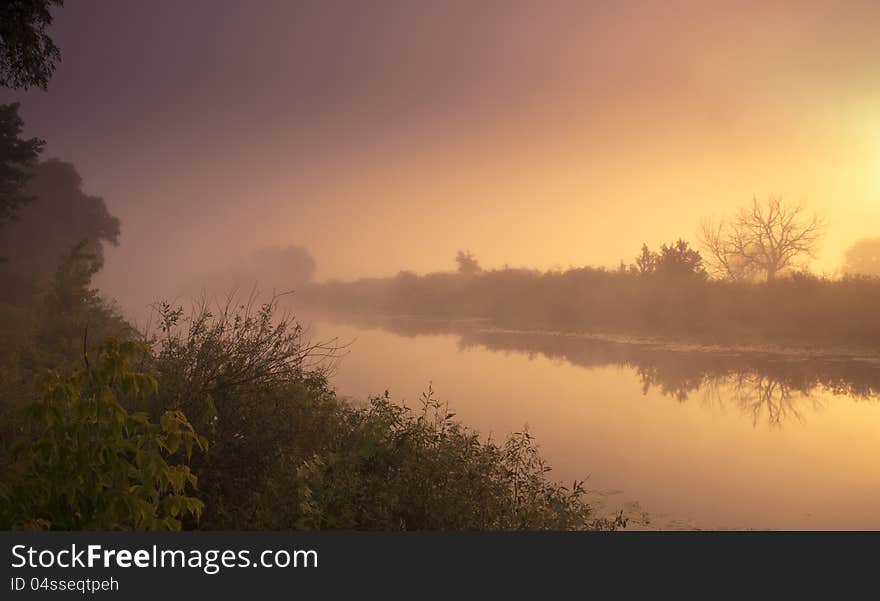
{"x":662,"y":294}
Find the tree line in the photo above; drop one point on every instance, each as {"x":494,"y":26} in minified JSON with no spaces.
{"x":747,"y":283}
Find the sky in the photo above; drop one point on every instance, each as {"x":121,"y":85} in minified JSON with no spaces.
{"x":386,"y":136}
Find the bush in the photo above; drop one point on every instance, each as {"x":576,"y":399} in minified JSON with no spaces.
{"x":85,"y":463}
{"x":286,"y":453}
{"x":395,"y":469}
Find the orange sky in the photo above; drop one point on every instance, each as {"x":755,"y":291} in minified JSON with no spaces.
{"x":628,"y":132}
{"x":532,"y":133}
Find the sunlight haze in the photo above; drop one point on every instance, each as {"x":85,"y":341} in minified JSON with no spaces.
{"x":532,"y":134}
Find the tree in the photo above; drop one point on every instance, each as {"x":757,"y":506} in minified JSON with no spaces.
{"x":247,"y":377}
{"x":675,"y":260}
{"x":467,"y":263}
{"x":680,"y":260}
{"x":271,"y":268}
{"x":863,"y":257}
{"x":18,"y":157}
{"x":59,"y":218}
{"x":646,"y":261}
{"x":27,"y":53}
{"x":763,"y":240}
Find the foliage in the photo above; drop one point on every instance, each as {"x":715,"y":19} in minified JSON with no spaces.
{"x":43,"y":323}
{"x":394,"y":469}
{"x":252,"y":384}
{"x":48,"y":332}
{"x":27,"y":53}
{"x":85,"y":462}
{"x":287,"y":453}
{"x":646,"y":261}
{"x":18,"y":157}
{"x":60,"y":218}
{"x":674,"y":261}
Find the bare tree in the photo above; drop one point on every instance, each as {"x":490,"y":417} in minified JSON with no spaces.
{"x":763,"y":240}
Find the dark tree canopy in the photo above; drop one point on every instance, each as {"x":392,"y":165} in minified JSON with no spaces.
{"x":18,"y":157}
{"x":61,"y":219}
{"x":27,"y":53}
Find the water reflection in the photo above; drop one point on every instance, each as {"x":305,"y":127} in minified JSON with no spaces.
{"x":771,"y":387}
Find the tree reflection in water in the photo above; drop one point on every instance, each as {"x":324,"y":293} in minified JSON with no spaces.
{"x":770,"y":386}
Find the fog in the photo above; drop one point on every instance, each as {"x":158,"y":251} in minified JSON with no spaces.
{"x":650,"y":230}
{"x":387,"y":139}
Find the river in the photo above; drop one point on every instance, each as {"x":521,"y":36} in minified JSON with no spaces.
{"x":677,"y":437}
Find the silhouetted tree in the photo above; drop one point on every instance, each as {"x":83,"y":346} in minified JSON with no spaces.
{"x":645,"y":262}
{"x":18,"y":157}
{"x":765,"y":239}
{"x":71,"y":285}
{"x":863,"y":257}
{"x":27,"y":53}
{"x":673,"y":261}
{"x":59,"y":218}
{"x":679,"y":260}
{"x":467,"y":263}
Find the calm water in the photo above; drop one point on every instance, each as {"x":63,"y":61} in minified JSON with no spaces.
{"x":695,"y":439}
